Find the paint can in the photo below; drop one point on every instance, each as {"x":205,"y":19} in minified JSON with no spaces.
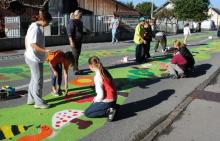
{"x":210,"y":37}
{"x":125,"y":59}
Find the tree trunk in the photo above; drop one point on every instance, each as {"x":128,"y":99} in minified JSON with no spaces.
{"x":199,"y":28}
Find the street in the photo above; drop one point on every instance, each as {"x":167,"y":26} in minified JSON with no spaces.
{"x":146,"y":95}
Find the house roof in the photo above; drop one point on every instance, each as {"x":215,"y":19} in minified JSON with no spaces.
{"x":162,"y":6}
{"x":216,"y":10}
{"x":127,"y":13}
{"x":132,"y":12}
{"x":122,"y":4}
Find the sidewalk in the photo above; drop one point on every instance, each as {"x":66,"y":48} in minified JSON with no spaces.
{"x":200,"y":121}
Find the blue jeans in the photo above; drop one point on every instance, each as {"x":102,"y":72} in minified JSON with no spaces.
{"x":98,"y":109}
{"x":58,"y":69}
{"x":114,"y":35}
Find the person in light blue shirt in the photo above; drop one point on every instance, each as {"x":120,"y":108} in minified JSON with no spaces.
{"x":114,"y":27}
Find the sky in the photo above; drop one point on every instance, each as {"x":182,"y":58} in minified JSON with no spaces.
{"x":214,"y":3}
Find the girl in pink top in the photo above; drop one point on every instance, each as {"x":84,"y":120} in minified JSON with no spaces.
{"x":104,"y":102}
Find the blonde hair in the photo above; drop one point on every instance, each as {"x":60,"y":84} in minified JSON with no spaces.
{"x":95,"y":62}
{"x":73,"y":15}
{"x":177,"y":43}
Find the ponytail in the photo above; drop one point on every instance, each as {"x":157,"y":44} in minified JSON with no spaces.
{"x":94,"y":61}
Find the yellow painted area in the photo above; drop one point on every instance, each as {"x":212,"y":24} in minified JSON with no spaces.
{"x":84,"y":80}
{"x":21,"y":128}
{"x":7,"y":131}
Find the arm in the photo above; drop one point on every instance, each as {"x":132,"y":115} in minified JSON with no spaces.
{"x":70,"y":32}
{"x":117,"y":23}
{"x":53,"y":70}
{"x":38,"y":48}
{"x":65,"y":73}
{"x":72,"y":42}
{"x":25,"y":42}
{"x":139,"y":34}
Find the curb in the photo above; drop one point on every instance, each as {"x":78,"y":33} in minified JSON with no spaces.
{"x":163,"y":123}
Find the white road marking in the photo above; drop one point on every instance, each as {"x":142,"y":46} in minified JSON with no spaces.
{"x":26,"y":85}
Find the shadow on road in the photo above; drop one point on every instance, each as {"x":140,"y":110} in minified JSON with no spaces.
{"x":200,"y":70}
{"x":130,"y":109}
{"x":126,"y":83}
{"x":201,"y":44}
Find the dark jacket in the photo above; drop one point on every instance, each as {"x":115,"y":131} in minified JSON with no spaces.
{"x":148,"y":34}
{"x":184,"y":51}
{"x":75,"y":29}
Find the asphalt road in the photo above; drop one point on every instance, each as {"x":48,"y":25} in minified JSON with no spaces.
{"x":147,"y":103}
{"x":200,"y":121}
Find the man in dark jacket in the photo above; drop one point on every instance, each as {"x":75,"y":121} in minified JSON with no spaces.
{"x":75,"y":33}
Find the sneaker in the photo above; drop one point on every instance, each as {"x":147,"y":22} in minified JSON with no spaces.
{"x":182,"y":76}
{"x":30,"y":103}
{"x":60,"y":92}
{"x":56,"y":93}
{"x":174,"y":77}
{"x":111,"y":114}
{"x":42,"y":106}
{"x":80,"y":72}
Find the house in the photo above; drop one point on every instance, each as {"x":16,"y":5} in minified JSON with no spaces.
{"x":214,"y":14}
{"x":97,"y":15}
{"x":163,"y":23}
{"x":107,"y":7}
{"x":169,"y":25}
{"x":14,"y":8}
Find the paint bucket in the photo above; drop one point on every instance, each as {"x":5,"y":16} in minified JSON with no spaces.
{"x":125,"y":59}
{"x":210,"y":37}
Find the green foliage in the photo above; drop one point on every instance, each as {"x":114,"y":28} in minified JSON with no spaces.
{"x":145,"y":8}
{"x":130,"y":4}
{"x":165,"y":14}
{"x":196,"y":10}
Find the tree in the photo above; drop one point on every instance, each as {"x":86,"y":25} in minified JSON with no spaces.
{"x":145,"y":8}
{"x":130,"y":4}
{"x":166,"y":15}
{"x":196,"y":10}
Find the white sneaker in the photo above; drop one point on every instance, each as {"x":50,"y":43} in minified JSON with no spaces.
{"x":42,"y":106}
{"x":111,"y":114}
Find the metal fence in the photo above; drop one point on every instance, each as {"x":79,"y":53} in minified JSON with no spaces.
{"x":17,"y":26}
{"x":172,"y":27}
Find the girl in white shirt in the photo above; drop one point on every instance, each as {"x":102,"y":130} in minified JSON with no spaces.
{"x":186,"y":32}
{"x":34,"y":57}
{"x":105,"y":101}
